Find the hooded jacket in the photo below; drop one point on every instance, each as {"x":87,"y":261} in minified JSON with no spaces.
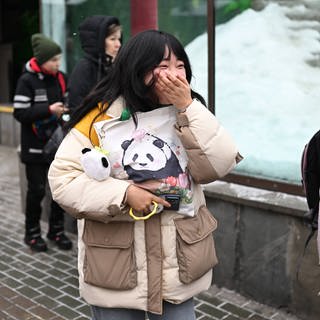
{"x":94,"y":64}
{"x":35,"y":92}
{"x":137,"y":264}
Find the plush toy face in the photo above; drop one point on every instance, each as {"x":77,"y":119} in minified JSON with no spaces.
{"x":95,"y":164}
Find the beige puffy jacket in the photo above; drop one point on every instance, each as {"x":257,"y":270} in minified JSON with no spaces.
{"x":137,"y":265}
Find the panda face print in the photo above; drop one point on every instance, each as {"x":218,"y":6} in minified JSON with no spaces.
{"x":147,"y":157}
{"x":147,"y":153}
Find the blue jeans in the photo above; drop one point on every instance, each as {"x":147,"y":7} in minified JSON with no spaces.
{"x":182,"y":311}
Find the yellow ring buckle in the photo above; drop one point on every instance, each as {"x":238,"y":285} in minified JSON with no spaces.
{"x":153,"y":212}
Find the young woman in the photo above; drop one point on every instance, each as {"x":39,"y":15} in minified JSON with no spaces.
{"x":100,"y":38}
{"x":128,"y":267}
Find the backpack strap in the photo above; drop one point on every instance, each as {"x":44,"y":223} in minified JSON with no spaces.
{"x":85,"y":124}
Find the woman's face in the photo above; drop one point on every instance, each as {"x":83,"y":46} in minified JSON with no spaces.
{"x":53,"y":64}
{"x":112,"y":44}
{"x":169,"y":65}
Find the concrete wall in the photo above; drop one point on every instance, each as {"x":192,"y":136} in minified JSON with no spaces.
{"x":259,"y":241}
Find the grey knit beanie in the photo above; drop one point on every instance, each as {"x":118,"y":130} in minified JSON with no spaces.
{"x":44,"y":48}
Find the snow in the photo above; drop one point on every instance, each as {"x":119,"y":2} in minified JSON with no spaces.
{"x":267,"y":95}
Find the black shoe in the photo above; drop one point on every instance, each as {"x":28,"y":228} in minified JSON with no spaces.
{"x":36,"y":243}
{"x":61,"y":240}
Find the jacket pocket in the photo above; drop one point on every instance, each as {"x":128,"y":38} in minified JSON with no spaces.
{"x":195,"y":245}
{"x":109,"y":255}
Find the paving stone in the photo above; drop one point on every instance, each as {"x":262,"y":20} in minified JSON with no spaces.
{"x":256,"y":317}
{"x":4,"y":303}
{"x":9,"y":251}
{"x":206,"y":318}
{"x":73,"y":280}
{"x":51,"y":292}
{"x":23,"y":302}
{"x":240,"y":312}
{"x":58,"y":273}
{"x":210,"y":299}
{"x":16,"y":274}
{"x":6,"y":259}
{"x":198,"y":314}
{"x":4,"y":316}
{"x":54,"y":282}
{"x":71,"y":302}
{"x":37,"y":274}
{"x":231,"y":317}
{"x":28,"y":292}
{"x":12,"y":283}
{"x":25,"y":258}
{"x":72,"y":291}
{"x":57,"y":318}
{"x":40,"y":266}
{"x":7,"y":292}
{"x":20,"y":265}
{"x":3,"y":266}
{"x":33,"y":283}
{"x":42,"y":312}
{"x":211,"y":310}
{"x":19,"y":313}
{"x":66,"y":312}
{"x":85,"y":309}
{"x":74,"y":272}
{"x":61,"y":266}
{"x":47,"y":302}
{"x":62,"y":257}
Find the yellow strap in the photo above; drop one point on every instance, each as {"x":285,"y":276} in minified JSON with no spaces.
{"x":153,"y":212}
{"x":85,"y":123}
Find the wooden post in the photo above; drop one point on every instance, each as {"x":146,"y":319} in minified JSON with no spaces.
{"x":144,"y":15}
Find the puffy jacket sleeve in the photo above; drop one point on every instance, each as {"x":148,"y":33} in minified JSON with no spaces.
{"x":79,"y":195}
{"x":211,"y":150}
{"x":24,"y":103}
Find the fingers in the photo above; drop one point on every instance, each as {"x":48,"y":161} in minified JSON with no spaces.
{"x":141,"y":200}
{"x":162,"y":201}
{"x":174,"y":87}
{"x":58,"y":109}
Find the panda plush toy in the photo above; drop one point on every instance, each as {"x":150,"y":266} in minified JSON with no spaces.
{"x":95,"y":163}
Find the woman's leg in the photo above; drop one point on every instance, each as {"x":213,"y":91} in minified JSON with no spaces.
{"x":99,"y":313}
{"x":182,"y":311}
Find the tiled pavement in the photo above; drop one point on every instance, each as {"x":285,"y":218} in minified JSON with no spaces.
{"x":45,"y":285}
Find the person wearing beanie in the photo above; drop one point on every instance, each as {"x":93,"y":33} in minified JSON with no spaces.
{"x":44,"y":48}
{"x":39,"y":103}
{"x":101,"y":39}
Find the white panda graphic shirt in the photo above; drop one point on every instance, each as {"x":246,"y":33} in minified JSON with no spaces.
{"x":150,"y":155}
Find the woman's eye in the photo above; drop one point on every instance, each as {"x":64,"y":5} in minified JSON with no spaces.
{"x":181,"y":66}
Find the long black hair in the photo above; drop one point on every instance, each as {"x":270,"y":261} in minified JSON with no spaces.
{"x":139,"y":56}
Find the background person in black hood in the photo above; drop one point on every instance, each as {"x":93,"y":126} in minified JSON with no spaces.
{"x":100,"y":38}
